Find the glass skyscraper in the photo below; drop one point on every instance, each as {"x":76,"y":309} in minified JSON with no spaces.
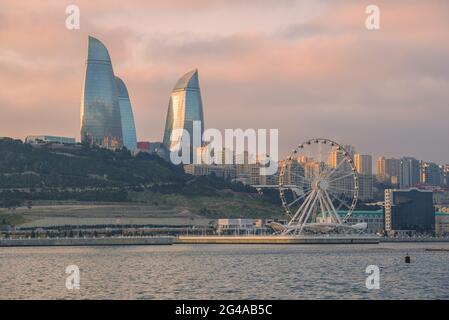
{"x":409,"y":211}
{"x":126,"y":113}
{"x":184,"y":108}
{"x":100,"y":111}
{"x":409,"y":172}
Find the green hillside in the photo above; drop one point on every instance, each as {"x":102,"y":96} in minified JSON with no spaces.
{"x":24,"y":166}
{"x":30,"y":175}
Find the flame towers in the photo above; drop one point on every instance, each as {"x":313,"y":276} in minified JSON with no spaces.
{"x":127,"y":117}
{"x":100,"y":111}
{"x":185,"y":107}
{"x":107,"y":118}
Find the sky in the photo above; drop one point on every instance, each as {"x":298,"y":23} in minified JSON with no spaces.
{"x":308,"y":68}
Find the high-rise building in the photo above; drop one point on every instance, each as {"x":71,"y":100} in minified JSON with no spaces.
{"x":336,"y":156}
{"x":387,"y":170}
{"x":364,"y":167}
{"x":337,"y":161}
{"x":127,"y":117}
{"x":185,"y":108}
{"x":207,"y":155}
{"x":409,"y":173}
{"x":244,"y":163}
{"x":431,"y":174}
{"x":380,"y":169}
{"x":293,"y":172}
{"x":366,"y":187}
{"x":363,"y":163}
{"x":446,"y":175}
{"x":409,"y":211}
{"x":312,"y":169}
{"x":100,"y":111}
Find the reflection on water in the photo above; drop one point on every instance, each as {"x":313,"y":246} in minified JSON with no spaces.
{"x":226,"y":272}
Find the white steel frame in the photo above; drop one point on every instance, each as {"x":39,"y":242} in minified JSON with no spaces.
{"x":320,"y":194}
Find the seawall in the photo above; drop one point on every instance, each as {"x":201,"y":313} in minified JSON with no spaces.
{"x":274,"y":240}
{"x":126,"y":241}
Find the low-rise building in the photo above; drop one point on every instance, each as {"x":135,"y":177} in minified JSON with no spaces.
{"x":143,"y":146}
{"x":442,"y":224}
{"x":49,"y":139}
{"x":374,"y":220}
{"x":240,"y":226}
{"x":222,"y":171}
{"x":432,"y":174}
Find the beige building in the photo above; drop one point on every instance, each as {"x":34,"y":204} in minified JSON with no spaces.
{"x":207,"y":155}
{"x":239,"y":226}
{"x":223,"y":171}
{"x":364,"y":167}
{"x":442,"y":224}
{"x":363,"y":163}
{"x":387,"y":170}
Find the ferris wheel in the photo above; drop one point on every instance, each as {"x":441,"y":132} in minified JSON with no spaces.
{"x":319,"y":186}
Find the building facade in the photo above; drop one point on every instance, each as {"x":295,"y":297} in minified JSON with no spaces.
{"x":143,"y":146}
{"x":409,"y":173}
{"x":49,"y":139}
{"x":208,"y":155}
{"x":409,"y":212}
{"x":363,"y":163}
{"x":100,"y":111}
{"x":387,"y":170}
{"x":373,"y":219}
{"x":336,"y":156}
{"x":442,"y":224}
{"x":364,"y":167}
{"x":366,"y":187}
{"x":225,"y":171}
{"x":240,"y":226}
{"x":432,"y":174}
{"x":185,"y":108}
{"x":127,"y":116}
{"x":446,"y":175}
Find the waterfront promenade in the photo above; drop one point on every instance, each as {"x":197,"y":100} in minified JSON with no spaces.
{"x":110,"y":241}
{"x":209,"y":239}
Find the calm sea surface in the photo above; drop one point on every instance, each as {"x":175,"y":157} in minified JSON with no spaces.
{"x":226,"y":272}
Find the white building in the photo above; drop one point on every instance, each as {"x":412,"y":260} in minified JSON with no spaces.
{"x":239,"y":226}
{"x":49,"y":139}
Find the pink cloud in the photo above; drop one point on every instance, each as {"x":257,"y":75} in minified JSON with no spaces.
{"x":307,"y":69}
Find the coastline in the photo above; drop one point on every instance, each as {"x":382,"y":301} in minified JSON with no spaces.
{"x":64,"y":242}
{"x":170,"y":240}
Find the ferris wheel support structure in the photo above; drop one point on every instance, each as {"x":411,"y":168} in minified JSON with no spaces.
{"x":324,"y":173}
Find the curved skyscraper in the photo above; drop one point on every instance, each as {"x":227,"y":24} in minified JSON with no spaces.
{"x":126,"y":113}
{"x":100,"y":111}
{"x":185,"y":108}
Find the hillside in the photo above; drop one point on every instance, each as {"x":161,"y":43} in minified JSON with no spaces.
{"x":24,"y":166}
{"x":30,"y":176}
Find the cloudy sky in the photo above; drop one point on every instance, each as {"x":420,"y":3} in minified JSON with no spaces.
{"x":308,"y":68}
